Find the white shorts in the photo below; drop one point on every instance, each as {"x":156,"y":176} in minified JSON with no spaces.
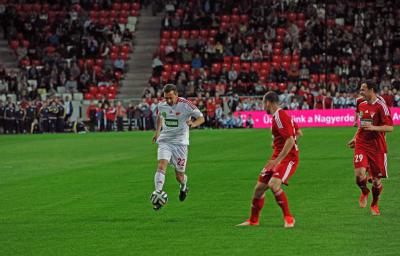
{"x":176,"y":155}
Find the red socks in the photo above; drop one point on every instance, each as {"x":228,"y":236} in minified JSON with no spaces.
{"x":256,"y":206}
{"x":282,"y":201}
{"x":362,"y":183}
{"x":376,"y":191}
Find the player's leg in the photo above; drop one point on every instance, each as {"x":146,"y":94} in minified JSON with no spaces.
{"x":179,"y":160}
{"x":378,"y":170}
{"x":163,"y":156}
{"x":360,"y":169}
{"x":258,"y":199}
{"x":376,"y":192}
{"x":275,"y":184}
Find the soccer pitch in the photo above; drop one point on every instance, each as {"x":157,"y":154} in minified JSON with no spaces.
{"x":89,"y":195}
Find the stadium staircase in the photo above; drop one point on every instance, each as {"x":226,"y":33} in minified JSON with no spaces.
{"x":146,"y":43}
{"x":7,"y":56}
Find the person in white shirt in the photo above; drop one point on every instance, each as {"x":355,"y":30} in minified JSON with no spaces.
{"x":174,"y":118}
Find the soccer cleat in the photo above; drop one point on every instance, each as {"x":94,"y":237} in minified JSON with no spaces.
{"x":375,"y":210}
{"x":363,"y":200}
{"x":247,"y":223}
{"x":289,"y":222}
{"x":183,"y":194}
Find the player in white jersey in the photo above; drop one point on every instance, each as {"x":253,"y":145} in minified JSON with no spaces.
{"x":174,"y":118}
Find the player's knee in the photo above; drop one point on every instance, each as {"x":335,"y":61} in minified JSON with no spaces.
{"x":274,"y":186}
{"x":162,"y":165}
{"x":360,"y":172}
{"x":376,"y":182}
{"x":259,"y":190}
{"x":179,"y":176}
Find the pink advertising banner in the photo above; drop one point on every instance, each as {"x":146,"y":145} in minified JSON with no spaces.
{"x":312,"y":118}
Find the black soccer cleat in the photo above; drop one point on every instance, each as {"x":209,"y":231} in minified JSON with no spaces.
{"x":183,"y":194}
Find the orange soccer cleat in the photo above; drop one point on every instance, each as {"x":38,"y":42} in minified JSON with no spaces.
{"x":247,"y":223}
{"x":375,"y":210}
{"x":363,"y":200}
{"x":289,"y":222}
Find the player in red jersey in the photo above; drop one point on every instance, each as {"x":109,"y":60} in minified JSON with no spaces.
{"x":282,"y":165}
{"x":370,"y":144}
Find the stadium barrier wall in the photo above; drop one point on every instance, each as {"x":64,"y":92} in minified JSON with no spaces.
{"x":312,"y":118}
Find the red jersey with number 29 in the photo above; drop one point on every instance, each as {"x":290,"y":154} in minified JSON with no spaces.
{"x":377,"y":114}
{"x":282,"y":128}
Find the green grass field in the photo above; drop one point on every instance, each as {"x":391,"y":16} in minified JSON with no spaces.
{"x":89,"y":195}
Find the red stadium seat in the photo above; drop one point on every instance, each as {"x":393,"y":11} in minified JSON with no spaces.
{"x":136,"y":6}
{"x":244,"y":18}
{"x":256,"y":66}
{"x":125,"y":6}
{"x":264,"y":72}
{"x":176,"y":68}
{"x":93,"y":89}
{"x":204,"y":33}
{"x":14,"y":44}
{"x":213,"y":32}
{"x":116,"y":6}
{"x":36,"y":62}
{"x":102,"y":89}
{"x":186,"y":67}
{"x":185,"y":34}
{"x":236,"y":59}
{"x":195,"y":33}
{"x":286,"y":58}
{"x":245,"y":65}
{"x":227,"y":59}
{"x":175,"y":34}
{"x":265,"y":65}
{"x":167,"y":68}
{"x":292,"y":17}
{"x":99,"y":96}
{"x":123,"y":14}
{"x":216,"y":67}
{"x":225,"y":18}
{"x":235,"y":19}
{"x":180,"y":12}
{"x":166,"y":34}
{"x":88,"y":96}
{"x":90,"y":62}
{"x":280,"y":32}
{"x":111,"y":96}
{"x":314,"y":78}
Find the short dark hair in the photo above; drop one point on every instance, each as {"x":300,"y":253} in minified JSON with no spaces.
{"x":170,"y":87}
{"x":370,"y":85}
{"x":271,"y":96}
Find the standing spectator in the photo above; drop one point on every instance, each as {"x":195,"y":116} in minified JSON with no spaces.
{"x":154,"y":113}
{"x":91,"y":115}
{"x":100,"y":117}
{"x":2,"y":110}
{"x":121,"y":113}
{"x":110,"y":116}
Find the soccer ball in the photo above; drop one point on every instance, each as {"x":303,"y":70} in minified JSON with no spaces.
{"x":159,"y":198}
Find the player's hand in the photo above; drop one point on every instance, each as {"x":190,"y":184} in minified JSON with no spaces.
{"x":368,"y":127}
{"x":155,"y":137}
{"x":271,"y":165}
{"x":351,"y":143}
{"x":355,"y":124}
{"x":190,"y":123}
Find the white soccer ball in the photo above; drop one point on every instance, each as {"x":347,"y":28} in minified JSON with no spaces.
{"x":159,"y":198}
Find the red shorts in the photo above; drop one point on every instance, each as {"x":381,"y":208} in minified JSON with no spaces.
{"x":375,"y":163}
{"x":283,"y":171}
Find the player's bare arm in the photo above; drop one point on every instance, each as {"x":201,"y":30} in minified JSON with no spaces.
{"x":158,"y":129}
{"x":289,"y":143}
{"x":382,"y":128}
{"x":195,"y":123}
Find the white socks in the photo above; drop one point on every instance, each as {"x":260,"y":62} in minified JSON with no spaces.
{"x":159,"y":179}
{"x":183,"y":185}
